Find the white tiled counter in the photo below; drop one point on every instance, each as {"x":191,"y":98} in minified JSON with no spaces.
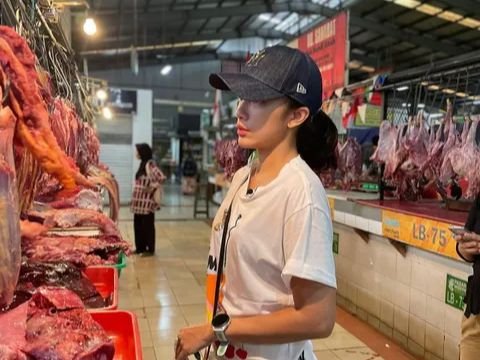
{"x":403,"y":296}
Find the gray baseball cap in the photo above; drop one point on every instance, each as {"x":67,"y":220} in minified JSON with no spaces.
{"x":275,"y":72}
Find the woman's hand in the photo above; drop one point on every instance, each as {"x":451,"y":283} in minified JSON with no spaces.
{"x":468,"y":245}
{"x":193,"y":339}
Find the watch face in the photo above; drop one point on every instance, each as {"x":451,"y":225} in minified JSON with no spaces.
{"x":220,"y":319}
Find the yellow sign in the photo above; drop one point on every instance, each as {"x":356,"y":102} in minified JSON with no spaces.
{"x":423,"y":233}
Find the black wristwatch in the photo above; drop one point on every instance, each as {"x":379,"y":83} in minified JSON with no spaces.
{"x":220,"y":324}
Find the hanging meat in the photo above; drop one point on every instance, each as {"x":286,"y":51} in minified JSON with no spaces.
{"x":387,"y":138}
{"x":463,"y":161}
{"x":230,"y":156}
{"x":24,"y":97}
{"x":102,"y":176}
{"x":9,"y":214}
{"x":350,"y":162}
{"x":404,"y":151}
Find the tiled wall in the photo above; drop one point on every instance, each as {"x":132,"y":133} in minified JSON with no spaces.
{"x":403,"y":297}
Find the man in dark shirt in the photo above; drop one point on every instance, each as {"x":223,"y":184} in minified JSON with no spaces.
{"x":468,"y":247}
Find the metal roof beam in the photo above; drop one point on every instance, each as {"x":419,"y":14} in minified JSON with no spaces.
{"x":124,"y":46}
{"x":179,"y":15}
{"x":469,"y":6}
{"x":410,"y":36}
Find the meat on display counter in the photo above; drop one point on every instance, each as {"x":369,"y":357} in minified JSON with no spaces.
{"x":398,"y":270}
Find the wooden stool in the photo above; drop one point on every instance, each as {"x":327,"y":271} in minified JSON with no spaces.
{"x":202,"y":200}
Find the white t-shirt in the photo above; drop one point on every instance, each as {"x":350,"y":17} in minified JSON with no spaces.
{"x":283,"y":229}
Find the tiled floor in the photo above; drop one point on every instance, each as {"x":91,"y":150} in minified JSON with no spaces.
{"x":167,"y":291}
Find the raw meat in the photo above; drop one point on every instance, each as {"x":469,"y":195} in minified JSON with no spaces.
{"x":404,"y":151}
{"x":10,"y":254}
{"x":89,"y":148}
{"x":33,"y":128}
{"x":34,"y":275}
{"x":464,"y":161}
{"x":103,"y":177}
{"x":8,"y":353}
{"x":53,"y":324}
{"x":84,"y":199}
{"x":30,"y":229}
{"x":350,"y":162}
{"x":387,"y":143}
{"x":66,"y":126}
{"x":67,"y":218}
{"x":13,"y":340}
{"x":230,"y":156}
{"x":81,"y":251}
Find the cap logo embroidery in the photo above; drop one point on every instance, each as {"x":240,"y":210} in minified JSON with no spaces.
{"x":256,"y":58}
{"x":301,"y":89}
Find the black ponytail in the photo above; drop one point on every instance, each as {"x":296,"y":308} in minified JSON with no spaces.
{"x":317,"y":140}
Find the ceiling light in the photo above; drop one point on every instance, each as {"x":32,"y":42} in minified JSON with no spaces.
{"x":448,"y":91}
{"x":469,"y":22}
{"x":89,"y":26}
{"x":461,"y":94}
{"x":166,"y":70}
{"x":421,"y":106}
{"x":450,"y":16}
{"x":407,"y":3}
{"x":405,"y":104}
{"x":107,"y":113}
{"x":101,"y":94}
{"x":402,"y":88}
{"x":424,"y":83}
{"x":266,"y":17}
{"x":354,"y":64}
{"x":366,"y":68}
{"x":429,"y":9}
{"x":434,"y":87}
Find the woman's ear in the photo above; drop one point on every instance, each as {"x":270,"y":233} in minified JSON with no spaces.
{"x":298,"y":117}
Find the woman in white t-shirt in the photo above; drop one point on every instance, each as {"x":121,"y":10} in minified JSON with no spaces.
{"x":278,"y":285}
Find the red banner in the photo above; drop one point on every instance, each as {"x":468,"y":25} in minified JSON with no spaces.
{"x":327,"y":45}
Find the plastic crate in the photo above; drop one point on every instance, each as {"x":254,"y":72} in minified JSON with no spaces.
{"x":122,"y":328}
{"x":105,"y":279}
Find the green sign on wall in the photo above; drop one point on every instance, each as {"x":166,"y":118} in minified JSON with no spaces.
{"x":455,"y":291}
{"x":369,"y":186}
{"x":335,"y":242}
{"x":373,"y":117}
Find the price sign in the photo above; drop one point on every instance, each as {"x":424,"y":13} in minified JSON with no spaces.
{"x":331,"y":203}
{"x":423,"y":233}
{"x":455,"y":291}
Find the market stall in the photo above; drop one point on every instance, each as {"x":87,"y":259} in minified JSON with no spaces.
{"x":396,"y":259}
{"x":60,"y":247}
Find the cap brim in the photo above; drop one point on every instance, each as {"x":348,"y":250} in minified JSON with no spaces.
{"x":244,"y":86}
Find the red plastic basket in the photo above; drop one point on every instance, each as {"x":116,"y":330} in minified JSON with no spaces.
{"x":105,"y":280}
{"x":122,"y":328}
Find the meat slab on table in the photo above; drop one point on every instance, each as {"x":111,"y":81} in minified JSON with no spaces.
{"x":67,"y":218}
{"x":53,"y":324}
{"x":82,"y":251}
{"x":34,"y":275}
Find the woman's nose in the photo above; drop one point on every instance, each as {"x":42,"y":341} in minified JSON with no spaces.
{"x":242,"y":109}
